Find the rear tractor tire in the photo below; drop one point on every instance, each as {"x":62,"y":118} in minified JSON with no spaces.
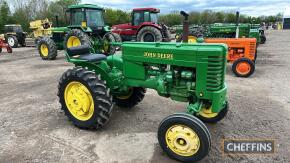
{"x":85,"y":99}
{"x":184,"y":137}
{"x":149,"y":34}
{"x":207,"y":116}
{"x":12,"y":41}
{"x":76,"y":37}
{"x":243,"y":67}
{"x":47,"y":48}
{"x":135,"y":95}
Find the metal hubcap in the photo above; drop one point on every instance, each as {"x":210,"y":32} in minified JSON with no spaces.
{"x":79,"y":101}
{"x":182,"y":140}
{"x":243,"y":68}
{"x":11,"y":41}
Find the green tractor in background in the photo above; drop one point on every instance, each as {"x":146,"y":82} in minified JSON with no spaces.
{"x":87,"y":27}
{"x":234,"y":30}
{"x":192,"y":73}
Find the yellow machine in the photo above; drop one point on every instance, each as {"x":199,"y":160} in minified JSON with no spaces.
{"x":40,"y":28}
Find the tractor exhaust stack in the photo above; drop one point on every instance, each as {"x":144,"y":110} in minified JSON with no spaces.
{"x":185,"y":26}
{"x":237,"y":24}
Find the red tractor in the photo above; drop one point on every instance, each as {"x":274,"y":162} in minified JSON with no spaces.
{"x":5,"y":45}
{"x":144,"y":27}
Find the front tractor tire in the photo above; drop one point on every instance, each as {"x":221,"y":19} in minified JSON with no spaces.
{"x":84,"y":98}
{"x":12,"y":41}
{"x":47,"y":48}
{"x":207,"y":116}
{"x":263,"y":39}
{"x":243,"y":67}
{"x":76,"y":37}
{"x":184,"y":137}
{"x":149,"y":34}
{"x":135,"y":95}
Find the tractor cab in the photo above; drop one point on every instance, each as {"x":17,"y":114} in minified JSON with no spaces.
{"x":88,"y":17}
{"x":14,"y":35}
{"x":141,"y":15}
{"x":144,"y":27}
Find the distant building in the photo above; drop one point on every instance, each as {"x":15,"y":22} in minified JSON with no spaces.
{"x":286,"y":19}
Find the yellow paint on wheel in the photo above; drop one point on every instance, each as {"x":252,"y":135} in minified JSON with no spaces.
{"x":73,"y":41}
{"x":44,"y":50}
{"x":182,"y":140}
{"x":207,"y":112}
{"x":192,"y":39}
{"x":79,"y":101}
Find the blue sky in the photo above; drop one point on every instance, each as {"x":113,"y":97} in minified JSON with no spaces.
{"x":248,"y":7}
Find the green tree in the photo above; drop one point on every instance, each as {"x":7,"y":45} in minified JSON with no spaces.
{"x":4,"y":15}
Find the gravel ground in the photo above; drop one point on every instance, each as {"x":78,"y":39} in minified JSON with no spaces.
{"x":34,"y":129}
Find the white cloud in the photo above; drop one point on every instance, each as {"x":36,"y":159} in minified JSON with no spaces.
{"x":248,"y":7}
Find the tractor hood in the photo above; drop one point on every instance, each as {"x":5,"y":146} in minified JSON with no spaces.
{"x":121,"y":27}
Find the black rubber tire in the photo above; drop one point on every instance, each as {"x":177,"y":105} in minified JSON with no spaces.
{"x":196,"y":125}
{"x":109,"y":37}
{"x":15,"y":45}
{"x":156,"y":33}
{"x":251,"y":63}
{"x":263,"y":39}
{"x":0,"y":50}
{"x":82,"y":36}
{"x":221,"y":115}
{"x":52,"y":48}
{"x":103,"y":104}
{"x":118,"y":38}
{"x":136,"y":97}
{"x":36,"y":41}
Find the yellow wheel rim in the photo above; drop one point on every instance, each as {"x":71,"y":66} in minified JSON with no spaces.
{"x":131,"y":90}
{"x":182,"y":140}
{"x":79,"y":101}
{"x":191,"y":39}
{"x":207,"y":112}
{"x":106,"y":46}
{"x":73,"y":41}
{"x":44,"y":50}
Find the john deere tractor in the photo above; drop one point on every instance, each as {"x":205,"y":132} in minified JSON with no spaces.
{"x":193,"y":73}
{"x":87,"y":27}
{"x":232,"y":30}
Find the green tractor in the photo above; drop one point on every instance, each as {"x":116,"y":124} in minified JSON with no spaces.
{"x":87,"y":27}
{"x":193,"y":73}
{"x":232,"y":30}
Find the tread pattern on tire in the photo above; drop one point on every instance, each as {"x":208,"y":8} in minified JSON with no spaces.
{"x":83,"y":37}
{"x":52,"y":48}
{"x":136,"y":97}
{"x":149,"y":29}
{"x":103,"y":101}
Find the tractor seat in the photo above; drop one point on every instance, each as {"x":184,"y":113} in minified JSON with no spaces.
{"x":83,"y":53}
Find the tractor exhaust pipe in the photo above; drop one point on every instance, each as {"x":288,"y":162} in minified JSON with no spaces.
{"x":56,"y":20}
{"x":237,"y":24}
{"x":185,"y":26}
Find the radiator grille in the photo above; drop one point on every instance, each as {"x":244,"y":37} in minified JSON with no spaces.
{"x":215,"y":73}
{"x":252,"y":48}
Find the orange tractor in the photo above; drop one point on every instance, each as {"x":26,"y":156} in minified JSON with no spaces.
{"x":242,"y":54}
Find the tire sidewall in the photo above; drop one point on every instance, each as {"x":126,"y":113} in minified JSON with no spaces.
{"x":202,"y":134}
{"x":149,"y":30}
{"x":251,"y":63}
{"x":15,"y":45}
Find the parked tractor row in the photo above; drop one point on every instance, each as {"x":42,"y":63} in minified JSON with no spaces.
{"x":191,"y":70}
